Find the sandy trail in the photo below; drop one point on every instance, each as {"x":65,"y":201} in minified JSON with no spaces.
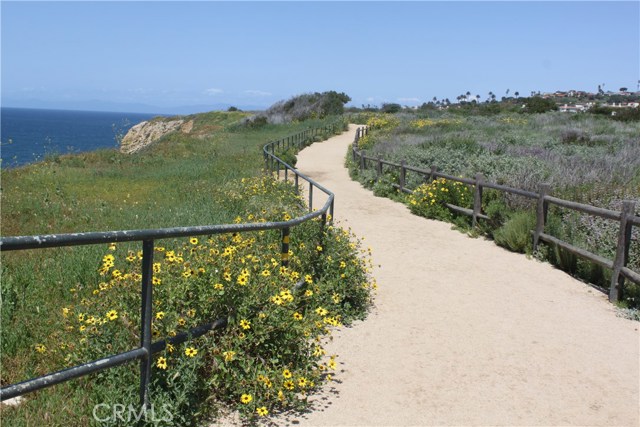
{"x":466,"y":333}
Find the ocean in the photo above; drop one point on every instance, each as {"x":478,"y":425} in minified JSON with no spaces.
{"x":29,"y":135}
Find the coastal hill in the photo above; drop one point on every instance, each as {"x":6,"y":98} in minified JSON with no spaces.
{"x":298,"y":108}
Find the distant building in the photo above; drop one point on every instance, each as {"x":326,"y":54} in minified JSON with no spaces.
{"x":578,"y":108}
{"x":623,"y":105}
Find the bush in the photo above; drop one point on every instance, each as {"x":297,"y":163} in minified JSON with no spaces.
{"x":573,"y":136}
{"x":288,"y":156}
{"x":628,"y":115}
{"x":391,"y":108}
{"x":384,"y":186}
{"x":303,"y":107}
{"x":380,"y":121}
{"x":429,"y":200}
{"x":515,"y":234}
{"x":537,"y":104}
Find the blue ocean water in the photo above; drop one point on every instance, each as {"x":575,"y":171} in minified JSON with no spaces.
{"x":28,"y":135}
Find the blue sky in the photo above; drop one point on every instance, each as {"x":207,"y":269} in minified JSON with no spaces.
{"x":167,"y":55}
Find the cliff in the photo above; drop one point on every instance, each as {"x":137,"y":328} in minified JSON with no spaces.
{"x":148,"y":132}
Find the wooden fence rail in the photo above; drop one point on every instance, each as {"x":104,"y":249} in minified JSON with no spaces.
{"x":626,"y":217}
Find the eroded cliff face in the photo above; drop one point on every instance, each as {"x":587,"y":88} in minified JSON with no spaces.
{"x":148,"y":132}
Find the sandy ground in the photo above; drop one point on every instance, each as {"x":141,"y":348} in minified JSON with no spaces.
{"x":464,"y":332}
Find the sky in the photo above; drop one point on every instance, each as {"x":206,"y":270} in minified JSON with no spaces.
{"x":180,"y":57}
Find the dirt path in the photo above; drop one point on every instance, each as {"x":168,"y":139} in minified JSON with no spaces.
{"x":466,"y":333}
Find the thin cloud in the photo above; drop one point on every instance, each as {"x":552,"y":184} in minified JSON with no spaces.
{"x":409,"y":99}
{"x":213,"y":91}
{"x":257,"y":93}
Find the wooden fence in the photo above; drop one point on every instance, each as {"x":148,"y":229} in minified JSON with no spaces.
{"x":626,"y":217}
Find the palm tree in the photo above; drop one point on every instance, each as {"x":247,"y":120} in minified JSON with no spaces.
{"x":516,"y":93}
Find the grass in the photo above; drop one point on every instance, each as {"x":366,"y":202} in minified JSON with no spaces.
{"x":210,"y":176}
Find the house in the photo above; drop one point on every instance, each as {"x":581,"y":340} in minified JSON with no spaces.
{"x":578,"y":108}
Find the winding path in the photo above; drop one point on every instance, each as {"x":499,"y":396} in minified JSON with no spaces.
{"x":464,"y":332}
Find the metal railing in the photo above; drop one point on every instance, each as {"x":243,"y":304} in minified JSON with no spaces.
{"x":625,"y":217}
{"x":147,"y":348}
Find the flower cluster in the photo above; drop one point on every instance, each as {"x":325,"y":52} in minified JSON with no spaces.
{"x":429,"y":200}
{"x":510,"y":120}
{"x":269,"y":357}
{"x":382,"y":121}
{"x":422,"y":123}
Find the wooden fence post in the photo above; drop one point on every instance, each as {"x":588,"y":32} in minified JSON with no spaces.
{"x":379,"y":168}
{"x":541,"y":213}
{"x":477,"y":199}
{"x":622,"y":251}
{"x":362,"y":165}
{"x":403,"y":175}
{"x":432,"y":175}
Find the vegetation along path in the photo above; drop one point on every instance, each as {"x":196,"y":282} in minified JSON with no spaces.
{"x":465,"y":332}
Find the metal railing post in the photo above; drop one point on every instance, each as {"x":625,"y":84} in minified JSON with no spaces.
{"x":310,"y":197}
{"x":145,"y":320}
{"x":284,"y":261}
{"x":331,"y":209}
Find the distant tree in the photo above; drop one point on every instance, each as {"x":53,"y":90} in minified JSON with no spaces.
{"x":516,"y":93}
{"x":391,"y":108}
{"x":232,"y":108}
{"x":302,"y":107}
{"x":623,"y":89}
{"x":333,"y":103}
{"x":537,"y":104}
{"x":428,"y":106}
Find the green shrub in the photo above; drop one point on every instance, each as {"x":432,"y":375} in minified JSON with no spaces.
{"x":384,"y":186}
{"x":515,"y":234}
{"x":429,"y":200}
{"x":628,"y":115}
{"x":288,"y":156}
{"x":390,"y":108}
{"x":537,"y":105}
